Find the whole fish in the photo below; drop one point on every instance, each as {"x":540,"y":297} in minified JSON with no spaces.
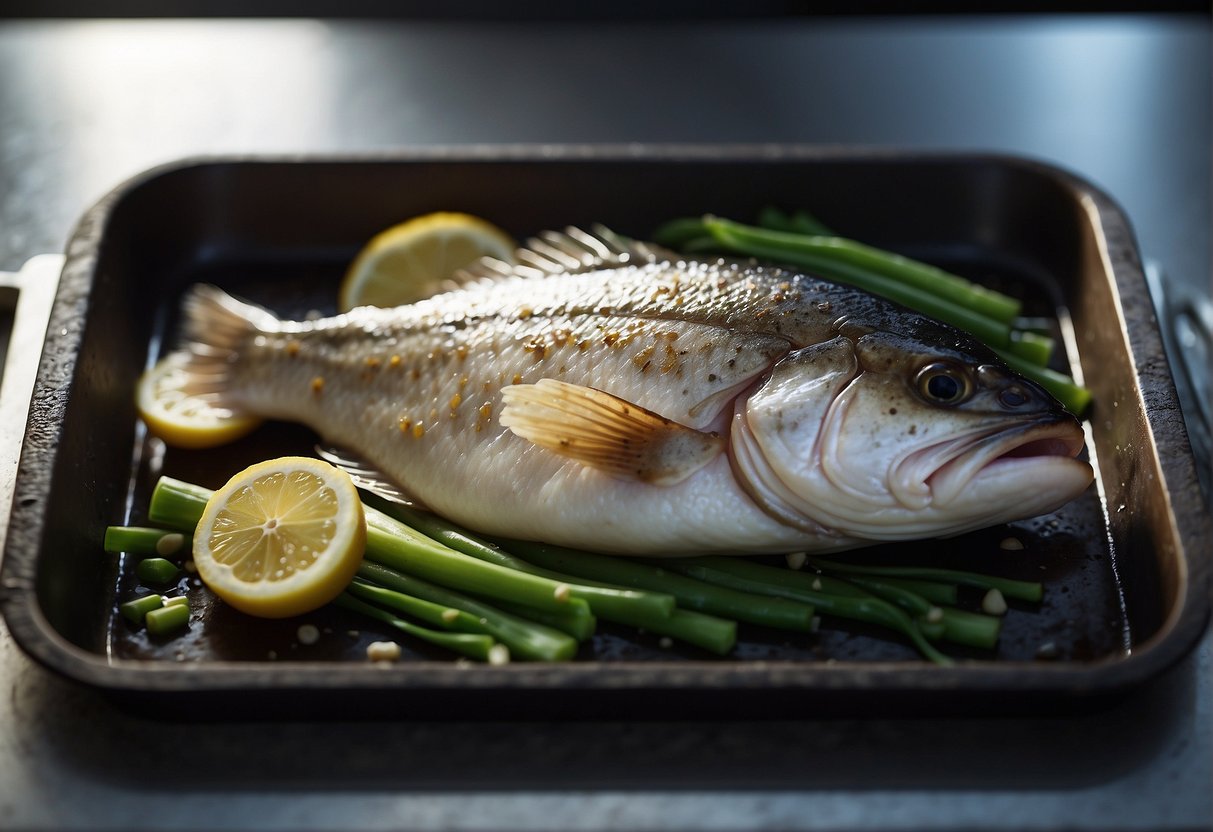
{"x":614,"y":397}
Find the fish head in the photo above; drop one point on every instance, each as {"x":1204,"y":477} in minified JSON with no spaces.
{"x":877,"y":436}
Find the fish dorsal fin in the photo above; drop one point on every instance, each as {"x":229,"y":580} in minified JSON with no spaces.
{"x":570,"y":251}
{"x":368,"y":477}
{"x":605,"y":432}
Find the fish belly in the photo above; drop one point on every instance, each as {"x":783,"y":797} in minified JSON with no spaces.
{"x":420,"y":403}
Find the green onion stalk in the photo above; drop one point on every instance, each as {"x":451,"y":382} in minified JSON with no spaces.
{"x":988,"y":315}
{"x":709,"y":632}
{"x":179,"y":505}
{"x":485,"y":598}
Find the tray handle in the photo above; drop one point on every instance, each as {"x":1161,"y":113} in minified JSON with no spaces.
{"x":35,"y":286}
{"x":1187,"y":329}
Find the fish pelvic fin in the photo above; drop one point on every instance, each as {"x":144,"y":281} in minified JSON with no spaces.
{"x":368,"y":477}
{"x":606,"y":432}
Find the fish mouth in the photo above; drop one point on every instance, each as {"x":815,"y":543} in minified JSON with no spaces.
{"x":1039,"y":455}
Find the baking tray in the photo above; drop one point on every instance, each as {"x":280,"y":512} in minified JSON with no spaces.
{"x":1125,"y":566}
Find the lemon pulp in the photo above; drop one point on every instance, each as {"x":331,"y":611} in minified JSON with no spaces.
{"x":282,"y":537}
{"x":172,"y":409}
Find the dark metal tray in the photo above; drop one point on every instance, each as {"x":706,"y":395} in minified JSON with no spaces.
{"x":1124,"y":567}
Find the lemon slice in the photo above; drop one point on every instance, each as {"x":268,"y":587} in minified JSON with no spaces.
{"x":282,"y":537}
{"x":410,"y":261}
{"x":175,"y":411}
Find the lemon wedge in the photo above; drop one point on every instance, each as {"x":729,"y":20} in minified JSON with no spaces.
{"x":410,"y":261}
{"x":282,"y":537}
{"x":178,"y":414}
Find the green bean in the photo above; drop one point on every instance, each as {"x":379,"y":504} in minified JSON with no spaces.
{"x":177,"y":504}
{"x":394,"y":544}
{"x":957,"y":626}
{"x":435,"y":615}
{"x":802,"y":222}
{"x":570,"y":621}
{"x":934,"y":591}
{"x":526,"y":639}
{"x":156,"y":571}
{"x":390,"y":542}
{"x":677,"y":233}
{"x":989,"y":331}
{"x":856,"y":605}
{"x":135,"y":611}
{"x":1031,"y":347}
{"x":702,"y":245}
{"x":846,"y":261}
{"x":139,"y":540}
{"x":475,"y":646}
{"x":1040,"y":326}
{"x":691,"y":594}
{"x":1020,"y":590}
{"x":716,"y":635}
{"x":770,"y":218}
{"x":606,"y":601}
{"x":610,"y":602}
{"x":902,"y":270}
{"x":167,"y":620}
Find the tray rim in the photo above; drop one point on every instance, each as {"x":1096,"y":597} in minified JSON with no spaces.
{"x":1176,"y":636}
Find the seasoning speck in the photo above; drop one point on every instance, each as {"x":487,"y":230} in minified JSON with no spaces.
{"x":562,"y":593}
{"x":817,"y":584}
{"x":450,"y":616}
{"x":994,"y":603}
{"x":169,"y":543}
{"x":308,"y":634}
{"x":1010,"y":544}
{"x":796,"y":560}
{"x":499,"y":654}
{"x":383,"y":651}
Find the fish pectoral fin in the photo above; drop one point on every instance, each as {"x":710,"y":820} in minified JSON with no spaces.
{"x":367,"y":477}
{"x":606,"y":432}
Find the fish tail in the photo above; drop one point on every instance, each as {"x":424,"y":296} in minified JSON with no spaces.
{"x":220,"y":323}
{"x":218,"y":329}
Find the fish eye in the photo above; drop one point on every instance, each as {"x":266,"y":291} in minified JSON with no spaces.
{"x":941,"y":383}
{"x":1013,"y":397}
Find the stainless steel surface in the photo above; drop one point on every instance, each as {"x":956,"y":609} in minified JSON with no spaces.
{"x":1124,"y":102}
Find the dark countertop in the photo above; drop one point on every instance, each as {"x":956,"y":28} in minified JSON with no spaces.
{"x":1122,"y":101}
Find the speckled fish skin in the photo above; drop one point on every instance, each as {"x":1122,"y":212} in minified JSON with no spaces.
{"x":757,"y":357}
